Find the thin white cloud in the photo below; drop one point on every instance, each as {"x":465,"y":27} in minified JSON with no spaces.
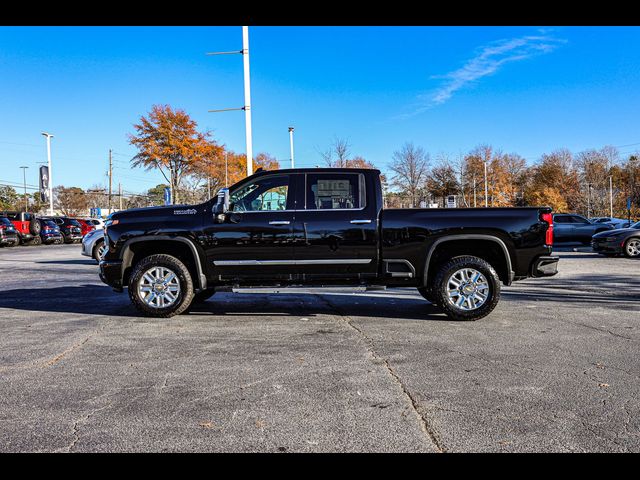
{"x":487,"y":61}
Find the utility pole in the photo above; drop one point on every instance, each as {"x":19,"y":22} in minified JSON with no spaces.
{"x":24,"y":178}
{"x":293,"y":163}
{"x":49,"y":137}
{"x":486,"y":186}
{"x":208,"y":188}
{"x":226,"y":170}
{"x":110,"y":179}
{"x":610,"y":196}
{"x":120,"y":194}
{"x":474,"y":191}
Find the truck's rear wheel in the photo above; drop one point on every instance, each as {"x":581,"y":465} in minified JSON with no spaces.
{"x":466,"y":288}
{"x":161,"y":286}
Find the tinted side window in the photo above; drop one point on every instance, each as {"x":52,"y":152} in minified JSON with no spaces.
{"x":264,"y":194}
{"x":579,"y":219}
{"x":560,"y":219}
{"x":331,"y":191}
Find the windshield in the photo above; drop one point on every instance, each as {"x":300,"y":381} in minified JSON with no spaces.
{"x":50,"y":223}
{"x":636,"y":226}
{"x":74,"y":223}
{"x":5,"y":221}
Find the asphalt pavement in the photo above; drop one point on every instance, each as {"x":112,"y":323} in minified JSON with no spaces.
{"x":554,"y":368}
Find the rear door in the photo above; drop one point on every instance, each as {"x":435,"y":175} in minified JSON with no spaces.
{"x":562,"y":228}
{"x":336,"y":230}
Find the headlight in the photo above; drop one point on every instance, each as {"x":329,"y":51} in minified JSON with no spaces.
{"x":611,"y":239}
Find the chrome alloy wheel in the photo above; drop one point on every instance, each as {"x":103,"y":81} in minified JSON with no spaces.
{"x":633,"y":248}
{"x":159,"y":287}
{"x":102,"y":250}
{"x":467,"y":289}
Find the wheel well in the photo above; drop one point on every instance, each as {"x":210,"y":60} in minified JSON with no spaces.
{"x":488,"y":250}
{"x":139,"y":250}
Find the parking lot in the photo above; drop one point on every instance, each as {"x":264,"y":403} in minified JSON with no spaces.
{"x":554,"y":368}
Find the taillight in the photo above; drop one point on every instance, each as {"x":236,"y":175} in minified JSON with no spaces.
{"x":548,"y":218}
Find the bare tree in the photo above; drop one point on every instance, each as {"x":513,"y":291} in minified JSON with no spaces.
{"x":337,"y":154}
{"x":410,"y":166}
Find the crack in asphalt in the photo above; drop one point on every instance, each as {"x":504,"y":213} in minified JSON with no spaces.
{"x":72,"y":348}
{"x":429,"y":431}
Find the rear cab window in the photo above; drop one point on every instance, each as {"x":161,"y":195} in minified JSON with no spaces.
{"x":335,"y":191}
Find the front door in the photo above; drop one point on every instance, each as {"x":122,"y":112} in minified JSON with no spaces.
{"x":255,"y":242}
{"x":336,"y":227}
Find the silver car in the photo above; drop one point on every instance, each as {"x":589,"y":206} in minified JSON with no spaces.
{"x":93,"y":245}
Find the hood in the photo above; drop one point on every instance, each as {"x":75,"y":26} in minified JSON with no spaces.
{"x":615,"y":231}
{"x":162,"y":211}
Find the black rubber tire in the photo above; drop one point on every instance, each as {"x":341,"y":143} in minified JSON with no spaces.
{"x":96,"y":249}
{"x":624,"y":249}
{"x":439,"y":288}
{"x":37,"y":240}
{"x":184,"y":277}
{"x":35,"y":227}
{"x":203,"y":296}
{"x":427,"y":294}
{"x":66,"y":239}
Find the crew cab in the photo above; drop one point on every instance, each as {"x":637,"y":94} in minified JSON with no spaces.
{"x":322,"y":227}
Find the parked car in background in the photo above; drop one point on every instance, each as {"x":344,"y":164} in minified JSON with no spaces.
{"x":625,"y":241}
{"x":69,"y":227}
{"x":8,"y":233}
{"x":96,"y":222}
{"x":570,"y":227}
{"x":50,"y":232}
{"x":85,"y":226}
{"x":93,"y":245}
{"x":26,"y":228}
{"x":613,"y":221}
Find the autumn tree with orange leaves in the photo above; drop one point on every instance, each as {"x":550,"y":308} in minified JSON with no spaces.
{"x":168,"y":140}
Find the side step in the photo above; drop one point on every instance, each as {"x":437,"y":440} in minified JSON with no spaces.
{"x":294,"y":290}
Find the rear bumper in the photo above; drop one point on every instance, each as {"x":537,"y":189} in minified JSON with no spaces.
{"x":8,"y":239}
{"x":50,"y":238}
{"x":545,"y":266}
{"x":111,"y":273}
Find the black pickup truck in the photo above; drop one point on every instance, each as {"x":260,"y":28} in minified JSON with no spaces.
{"x":321,"y":227}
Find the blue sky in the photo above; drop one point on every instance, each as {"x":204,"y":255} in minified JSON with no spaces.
{"x":527,"y":90}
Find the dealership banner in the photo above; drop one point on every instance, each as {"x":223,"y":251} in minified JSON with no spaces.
{"x":44,"y":183}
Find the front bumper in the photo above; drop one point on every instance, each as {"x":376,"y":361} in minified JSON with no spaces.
{"x":600,"y":245}
{"x":111,"y":273}
{"x":545,"y":266}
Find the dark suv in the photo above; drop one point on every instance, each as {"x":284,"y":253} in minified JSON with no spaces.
{"x":8,"y":233}
{"x":50,"y":232}
{"x":69,"y":228}
{"x":570,"y":227}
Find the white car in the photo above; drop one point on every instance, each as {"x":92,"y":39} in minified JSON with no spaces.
{"x":96,"y":222}
{"x":93,"y":244}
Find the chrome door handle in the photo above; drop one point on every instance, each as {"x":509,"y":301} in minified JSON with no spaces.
{"x":280,"y":222}
{"x":358,"y":222}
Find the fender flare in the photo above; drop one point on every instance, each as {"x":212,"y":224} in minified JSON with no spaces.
{"x":127,"y":255}
{"x":469,"y":236}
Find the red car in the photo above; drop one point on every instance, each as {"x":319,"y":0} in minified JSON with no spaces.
{"x":85,"y":226}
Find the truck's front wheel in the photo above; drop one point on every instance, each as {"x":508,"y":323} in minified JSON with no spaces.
{"x":466,"y":288}
{"x":161,"y":286}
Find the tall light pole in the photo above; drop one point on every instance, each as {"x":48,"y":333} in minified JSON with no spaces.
{"x":247,"y":96}
{"x":610,"y":196}
{"x":293,"y":163}
{"x":486,"y":186}
{"x":49,"y":137}
{"x":247,"y":99}
{"x":24,"y":179}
